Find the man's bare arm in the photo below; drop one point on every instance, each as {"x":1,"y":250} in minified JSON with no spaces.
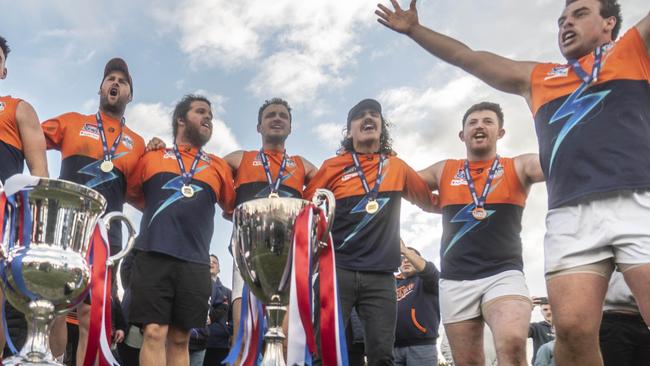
{"x":234,"y":160}
{"x":431,"y":175}
{"x":644,"y":29}
{"x":310,"y":170}
{"x":529,"y":169}
{"x":32,"y":138}
{"x":499,"y":72}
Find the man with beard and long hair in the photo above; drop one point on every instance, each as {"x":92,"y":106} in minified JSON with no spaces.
{"x":21,"y":140}
{"x":177,"y":189}
{"x":99,"y":151}
{"x":369,"y":182}
{"x":481,"y":267}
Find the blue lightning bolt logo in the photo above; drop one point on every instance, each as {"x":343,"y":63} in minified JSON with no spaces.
{"x":577,"y":107}
{"x":98,"y":175}
{"x":282,"y":193}
{"x":361,"y":207}
{"x":175,"y":184}
{"x":465,"y":215}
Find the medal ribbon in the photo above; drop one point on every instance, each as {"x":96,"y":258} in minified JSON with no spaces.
{"x":479,"y":202}
{"x":187,"y":176}
{"x":370,"y":193}
{"x":582,"y":74}
{"x":108,"y":155}
{"x":275,"y":186}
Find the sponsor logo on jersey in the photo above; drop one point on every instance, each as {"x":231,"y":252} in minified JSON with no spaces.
{"x":459,"y":178}
{"x":127,"y":141}
{"x":169,"y":154}
{"x":89,"y":130}
{"x":349,"y":173}
{"x":558,"y":72}
{"x":2,"y":106}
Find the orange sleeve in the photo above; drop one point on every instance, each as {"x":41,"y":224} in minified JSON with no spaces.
{"x":320,"y":180}
{"x":54,"y":129}
{"x":135,"y":181}
{"x":226,"y":194}
{"x":417,"y":191}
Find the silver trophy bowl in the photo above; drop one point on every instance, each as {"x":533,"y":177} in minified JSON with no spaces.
{"x":262,"y":238}
{"x":53,"y":269}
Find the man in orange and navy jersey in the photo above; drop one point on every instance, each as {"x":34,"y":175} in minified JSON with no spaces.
{"x":269,"y":170}
{"x":21,"y":139}
{"x":592,"y":118}
{"x":482,"y":199}
{"x":177,"y":189}
{"x":99,"y":151}
{"x":369,"y":181}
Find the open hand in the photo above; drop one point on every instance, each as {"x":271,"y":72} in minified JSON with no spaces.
{"x":402,"y":21}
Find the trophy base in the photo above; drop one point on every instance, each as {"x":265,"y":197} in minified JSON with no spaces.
{"x":19,"y":360}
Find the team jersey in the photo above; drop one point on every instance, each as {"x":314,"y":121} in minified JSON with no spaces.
{"x":364,"y":241}
{"x":12,"y":159}
{"x":77,"y":137}
{"x":594,"y":140}
{"x":172,"y":224}
{"x":251,"y":181}
{"x":472,"y":249}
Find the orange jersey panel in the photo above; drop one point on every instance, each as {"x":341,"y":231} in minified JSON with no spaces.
{"x":624,"y":60}
{"x":8,"y":129}
{"x":506,"y":187}
{"x":251,"y":181}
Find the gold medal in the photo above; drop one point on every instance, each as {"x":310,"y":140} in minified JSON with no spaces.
{"x":106,"y":166}
{"x":479,"y":213}
{"x":372,"y":207}
{"x":274,"y":195}
{"x":187,"y":190}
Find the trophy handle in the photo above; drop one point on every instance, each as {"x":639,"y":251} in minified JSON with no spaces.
{"x":323,"y":196}
{"x":111,"y":216}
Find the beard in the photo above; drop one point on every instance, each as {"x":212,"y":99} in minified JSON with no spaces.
{"x":195,"y":137}
{"x":116,"y":108}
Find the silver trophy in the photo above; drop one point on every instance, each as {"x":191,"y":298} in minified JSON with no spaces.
{"x":262,"y":240}
{"x":53,"y":269}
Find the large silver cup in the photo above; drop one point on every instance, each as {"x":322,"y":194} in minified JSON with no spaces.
{"x":54,"y":266}
{"x":262,"y":238}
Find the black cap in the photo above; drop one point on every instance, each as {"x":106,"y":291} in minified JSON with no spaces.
{"x":361,"y":106}
{"x":118,"y":64}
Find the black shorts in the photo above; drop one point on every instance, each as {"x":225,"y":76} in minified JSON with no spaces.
{"x":169,"y":291}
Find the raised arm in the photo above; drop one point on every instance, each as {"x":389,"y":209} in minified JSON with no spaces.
{"x":644,"y":29}
{"x":499,"y":72}
{"x":529,"y":169}
{"x":32,"y":138}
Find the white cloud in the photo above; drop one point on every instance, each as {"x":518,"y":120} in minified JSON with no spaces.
{"x":299,"y":47}
{"x":329,"y":134}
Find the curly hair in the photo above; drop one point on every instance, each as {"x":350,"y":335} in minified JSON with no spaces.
{"x":4,"y":47}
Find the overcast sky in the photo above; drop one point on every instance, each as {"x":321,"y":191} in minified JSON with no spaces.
{"x":322,"y":56}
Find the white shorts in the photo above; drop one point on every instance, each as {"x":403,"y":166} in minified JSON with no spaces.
{"x":464,"y":300}
{"x":607,"y":226}
{"x":237,"y":282}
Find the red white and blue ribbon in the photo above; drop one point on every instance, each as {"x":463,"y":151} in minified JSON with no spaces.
{"x":251,"y":330}
{"x":99,"y":329}
{"x":301,"y":342}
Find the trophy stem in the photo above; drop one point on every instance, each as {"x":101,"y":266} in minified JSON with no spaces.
{"x":274,"y":337}
{"x":36,"y":350}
